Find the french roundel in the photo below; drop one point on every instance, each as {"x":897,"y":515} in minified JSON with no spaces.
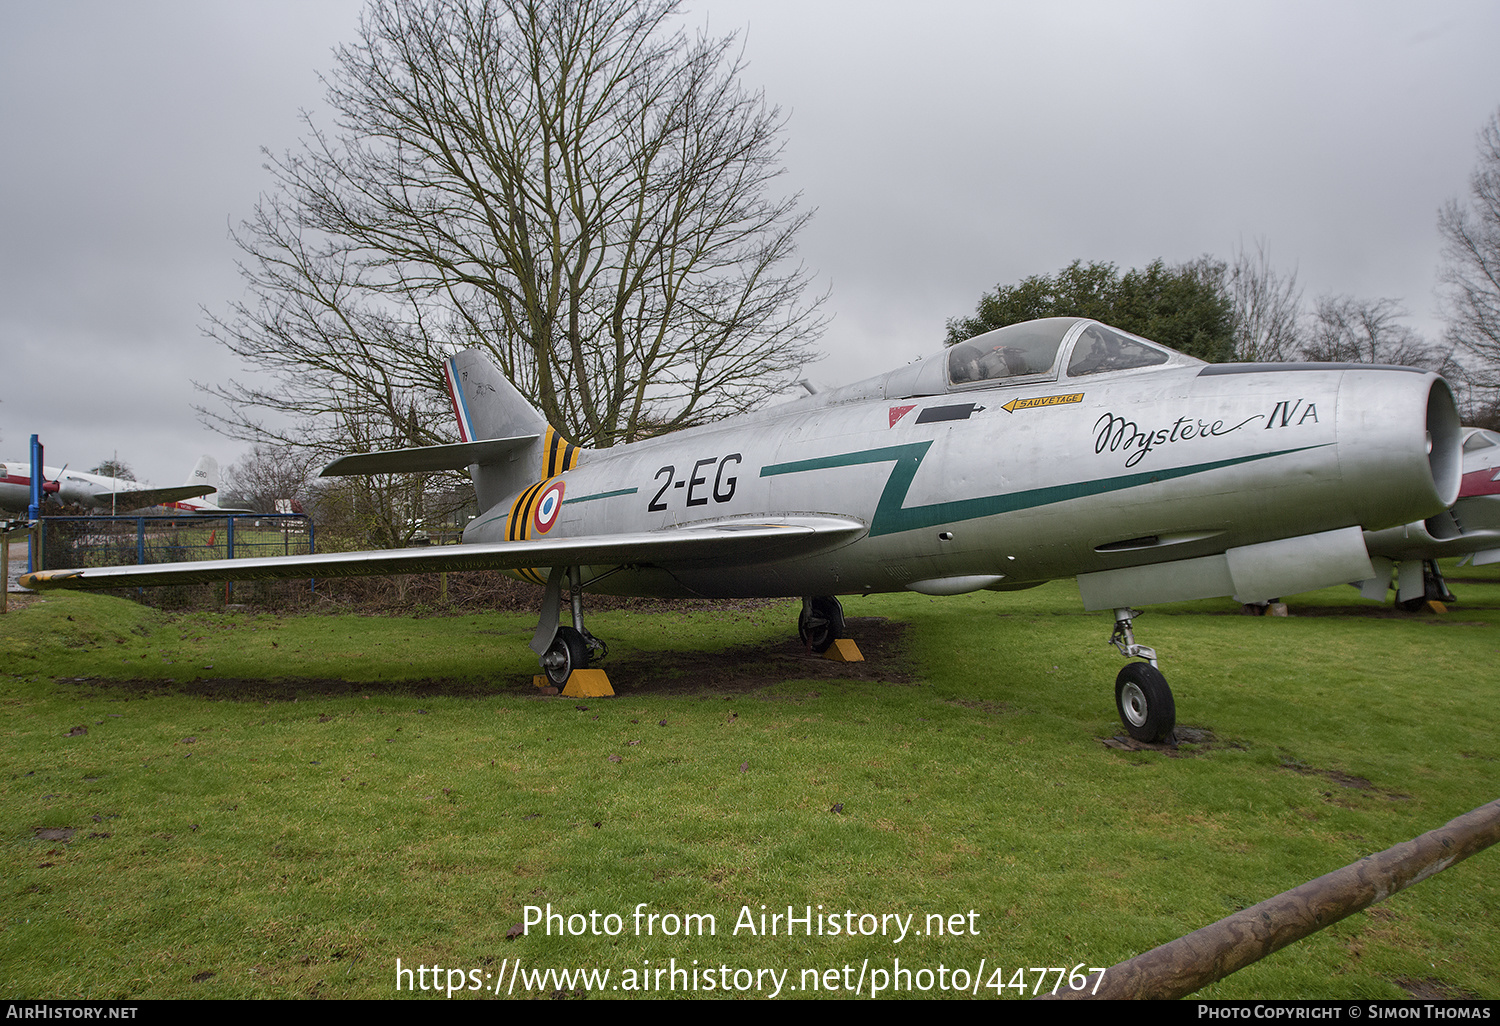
{"x":547,"y":507}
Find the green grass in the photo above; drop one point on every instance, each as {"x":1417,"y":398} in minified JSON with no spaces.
{"x":294,"y":839}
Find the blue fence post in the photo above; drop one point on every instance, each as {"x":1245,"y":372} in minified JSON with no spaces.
{"x":229,"y":539}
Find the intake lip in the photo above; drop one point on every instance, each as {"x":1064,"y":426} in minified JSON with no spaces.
{"x":1444,"y":442}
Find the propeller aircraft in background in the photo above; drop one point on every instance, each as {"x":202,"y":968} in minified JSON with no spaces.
{"x":111,"y":493}
{"x":1044,"y":450}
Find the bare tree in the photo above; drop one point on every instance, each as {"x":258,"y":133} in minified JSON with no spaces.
{"x":1470,"y":274}
{"x":1267,"y":308}
{"x":568,"y":184}
{"x":268,"y":473}
{"x":1348,"y":330}
{"x":114,"y":467}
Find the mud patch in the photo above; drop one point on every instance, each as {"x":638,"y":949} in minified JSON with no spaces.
{"x":1344,"y":780}
{"x":736,"y":670}
{"x":753,"y":667}
{"x":1431,"y":990}
{"x":1199,"y":740}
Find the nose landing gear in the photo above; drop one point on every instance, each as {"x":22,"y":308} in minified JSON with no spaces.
{"x":1142,"y":697}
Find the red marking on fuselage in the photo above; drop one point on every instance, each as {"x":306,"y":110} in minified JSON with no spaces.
{"x":897,"y":412}
{"x":1480,"y":482}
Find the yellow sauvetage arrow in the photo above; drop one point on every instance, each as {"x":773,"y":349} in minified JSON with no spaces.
{"x":1045,"y":400}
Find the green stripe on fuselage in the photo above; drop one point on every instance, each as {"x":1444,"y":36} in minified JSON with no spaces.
{"x":601,"y":495}
{"x":891,"y":517}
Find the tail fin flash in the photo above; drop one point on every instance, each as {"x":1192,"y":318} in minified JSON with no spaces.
{"x":486,"y":405}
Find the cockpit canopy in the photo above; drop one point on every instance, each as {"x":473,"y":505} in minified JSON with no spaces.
{"x":1033,"y":351}
{"x":1032,"y":348}
{"x":1479,"y":438}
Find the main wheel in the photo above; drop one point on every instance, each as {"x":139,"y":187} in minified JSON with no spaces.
{"x":568,"y":653}
{"x":825,"y":624}
{"x":1145,"y":702}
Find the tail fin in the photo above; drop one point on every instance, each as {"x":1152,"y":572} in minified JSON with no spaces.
{"x":487,"y":405}
{"x":205,"y":472}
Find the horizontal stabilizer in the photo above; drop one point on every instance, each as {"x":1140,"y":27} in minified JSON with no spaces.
{"x":722,"y":543}
{"x":428,"y":457}
{"x":136,"y":498}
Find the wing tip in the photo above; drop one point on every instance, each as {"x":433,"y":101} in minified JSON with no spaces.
{"x":43,"y":579}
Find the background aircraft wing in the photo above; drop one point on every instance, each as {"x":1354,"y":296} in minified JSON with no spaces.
{"x":721,"y":543}
{"x":136,"y":498}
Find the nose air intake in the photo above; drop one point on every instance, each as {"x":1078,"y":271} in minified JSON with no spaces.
{"x":1444,"y":442}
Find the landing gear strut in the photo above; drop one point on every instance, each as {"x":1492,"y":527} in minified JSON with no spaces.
{"x":1142,"y":697}
{"x":1434,"y":588}
{"x":821,"y":622}
{"x":564,"y":649}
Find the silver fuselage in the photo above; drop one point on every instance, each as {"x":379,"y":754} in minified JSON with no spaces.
{"x":1004,"y":484}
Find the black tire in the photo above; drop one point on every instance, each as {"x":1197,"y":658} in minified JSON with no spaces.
{"x":1144,"y":702}
{"x":824,"y":626}
{"x":568,"y":653}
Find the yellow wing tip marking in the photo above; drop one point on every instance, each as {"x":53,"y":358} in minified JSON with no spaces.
{"x":46,"y":578}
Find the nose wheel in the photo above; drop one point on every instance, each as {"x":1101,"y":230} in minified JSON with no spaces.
{"x":1142,"y":697}
{"x":1145,"y":702}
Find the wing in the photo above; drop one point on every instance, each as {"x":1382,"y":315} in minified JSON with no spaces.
{"x":723,"y":543}
{"x":138,"y":497}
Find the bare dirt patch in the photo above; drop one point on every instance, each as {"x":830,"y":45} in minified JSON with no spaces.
{"x":752,"y":667}
{"x":1199,"y":740}
{"x":738,"y":670}
{"x":1429,"y":989}
{"x":1344,"y":780}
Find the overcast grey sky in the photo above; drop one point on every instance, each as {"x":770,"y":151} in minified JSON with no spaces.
{"x":947,"y":147}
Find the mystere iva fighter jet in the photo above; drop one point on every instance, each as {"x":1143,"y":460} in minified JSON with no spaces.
{"x":1055,"y":448}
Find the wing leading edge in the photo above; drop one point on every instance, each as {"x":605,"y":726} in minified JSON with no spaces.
{"x":723,"y":543}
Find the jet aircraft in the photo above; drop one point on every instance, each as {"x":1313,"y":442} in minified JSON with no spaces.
{"x":1044,"y":450}
{"x":1471,"y":528}
{"x":112,"y":493}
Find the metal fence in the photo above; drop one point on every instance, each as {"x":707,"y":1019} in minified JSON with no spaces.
{"x":73,"y":542}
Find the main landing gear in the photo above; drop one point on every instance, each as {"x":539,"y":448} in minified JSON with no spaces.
{"x":563,"y":649}
{"x":821,"y":622}
{"x":1142,"y":696}
{"x":1434,"y":588}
